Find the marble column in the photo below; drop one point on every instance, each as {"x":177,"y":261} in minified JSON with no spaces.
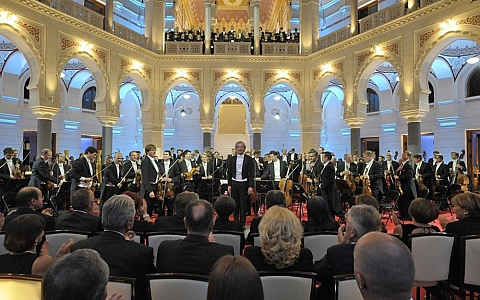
{"x":353,"y":17}
{"x":109,"y":16}
{"x":107,"y":141}
{"x":309,"y":26}
{"x":208,"y":25}
{"x":256,"y":27}
{"x":355,"y":141}
{"x":44,"y":135}
{"x":207,"y":140}
{"x":155,"y":25}
{"x":414,"y":137}
{"x":257,"y":141}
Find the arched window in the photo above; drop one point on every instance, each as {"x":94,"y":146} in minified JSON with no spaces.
{"x":88,"y":98}
{"x":473,"y":88}
{"x":26,"y":92}
{"x":431,"y":96}
{"x":373,"y":101}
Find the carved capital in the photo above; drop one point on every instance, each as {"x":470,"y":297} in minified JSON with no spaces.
{"x":44,"y":112}
{"x":355,"y":122}
{"x":107,"y":121}
{"x":414,"y":115}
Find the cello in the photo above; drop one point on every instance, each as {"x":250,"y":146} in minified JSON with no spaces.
{"x":462,"y":179}
{"x":285,"y":186}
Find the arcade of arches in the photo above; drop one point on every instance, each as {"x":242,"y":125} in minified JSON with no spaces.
{"x":406,"y":84}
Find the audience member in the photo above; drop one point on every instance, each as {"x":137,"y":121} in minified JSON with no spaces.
{"x":281,"y":243}
{"x":383,"y":267}
{"x":21,"y":237}
{"x":142,"y":222}
{"x":319,"y":218}
{"x":360,"y":220}
{"x":81,"y":217}
{"x":422,"y":212}
{"x":274,"y":197}
{"x":175,"y":223}
{"x":125,"y":258}
{"x":234,"y":278}
{"x":29,"y":200}
{"x":82,"y":275}
{"x":370,"y":200}
{"x":195,"y":254}
{"x":225,"y":206}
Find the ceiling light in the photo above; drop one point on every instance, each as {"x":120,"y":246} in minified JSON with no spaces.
{"x":187,"y":96}
{"x":276,"y":98}
{"x":277,"y":116}
{"x":183,"y":113}
{"x":473,"y":60}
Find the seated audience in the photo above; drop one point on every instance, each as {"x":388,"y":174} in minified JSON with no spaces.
{"x":82,"y":275}
{"x":29,"y":201}
{"x":370,"y":200}
{"x":125,"y":258}
{"x":195,"y":254}
{"x":383,"y":267}
{"x":234,"y":278}
{"x":274,"y":197}
{"x":281,"y":243}
{"x":21,"y":237}
{"x":467,"y":210}
{"x":225,"y":206}
{"x":360,"y":220}
{"x":319,"y":218}
{"x":175,"y":223}
{"x":81,"y":217}
{"x":142,"y":222}
{"x":422,"y":212}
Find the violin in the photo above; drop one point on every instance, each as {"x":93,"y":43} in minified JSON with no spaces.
{"x":421,"y":184}
{"x":398,"y":184}
{"x":366,"y":186}
{"x":462,"y":179}
{"x":165,"y":190}
{"x":189,"y":175}
{"x":138,"y":179}
{"x":302,"y":178}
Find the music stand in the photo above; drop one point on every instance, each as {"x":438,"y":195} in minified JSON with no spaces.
{"x":209,"y":188}
{"x":11,"y":189}
{"x":62,"y":196}
{"x":263,"y":187}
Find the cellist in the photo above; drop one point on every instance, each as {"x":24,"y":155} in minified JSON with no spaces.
{"x":276,"y":170}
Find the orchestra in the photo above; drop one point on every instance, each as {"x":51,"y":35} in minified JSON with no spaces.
{"x":159,"y":181}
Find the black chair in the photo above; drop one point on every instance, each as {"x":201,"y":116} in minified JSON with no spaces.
{"x":390,"y":205}
{"x":441,"y":199}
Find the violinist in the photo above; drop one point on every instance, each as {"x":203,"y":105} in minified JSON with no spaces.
{"x":131,"y":171}
{"x":259,"y":161}
{"x":389,"y":167}
{"x":423,"y":172}
{"x":404,"y":174}
{"x":346,"y":172}
{"x":113,"y":178}
{"x":372,"y":171}
{"x":7,"y":166}
{"x":455,"y":166}
{"x":440,"y":169}
{"x":189,"y":171}
{"x":292,"y":156}
{"x":60,"y":168}
{"x":206,"y":174}
{"x":150,"y":177}
{"x":276,"y":170}
{"x":84,"y":169}
{"x":171,"y":177}
{"x":41,"y":173}
{"x":315,"y":167}
{"x":328,"y":187}
{"x":16,"y":161}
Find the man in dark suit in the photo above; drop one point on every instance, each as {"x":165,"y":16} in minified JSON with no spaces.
{"x":456,"y":166}
{"x":241,"y":179}
{"x":276,"y":170}
{"x":130,"y":170}
{"x":433,"y":160}
{"x":389,"y":167}
{"x":405,"y":175}
{"x":423,"y":170}
{"x":315,"y":168}
{"x":41,"y":173}
{"x":175,"y":223}
{"x":259,"y":163}
{"x":150,"y":177}
{"x":60,"y":168}
{"x":360,"y":219}
{"x":7,"y":167}
{"x":292,"y":156}
{"x":328,"y":186}
{"x":113,"y":178}
{"x":373,"y":171}
{"x":195,"y":254}
{"x":169,"y":173}
{"x":83,"y":169}
{"x":186,"y":167}
{"x":82,"y":216}
{"x":440,"y":169}
{"x":273,"y":197}
{"x":30,"y":201}
{"x":124,"y":257}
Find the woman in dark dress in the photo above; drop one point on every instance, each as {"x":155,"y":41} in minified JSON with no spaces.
{"x":22,"y":235}
{"x":142,"y":222}
{"x":319,"y":218}
{"x":281,"y":239}
{"x":422,"y":212}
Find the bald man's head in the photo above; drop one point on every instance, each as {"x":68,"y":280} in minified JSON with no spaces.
{"x":383,"y":267}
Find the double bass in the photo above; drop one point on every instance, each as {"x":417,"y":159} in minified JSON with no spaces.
{"x":462,"y":179}
{"x":285,"y":186}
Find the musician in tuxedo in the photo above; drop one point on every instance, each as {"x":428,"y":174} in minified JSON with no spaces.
{"x":389,"y":167}
{"x":241,"y":179}
{"x":424,"y":170}
{"x":454,"y":166}
{"x":373,"y":171}
{"x":276,"y":170}
{"x":60,"y":168}
{"x":41,"y":173}
{"x":292,"y":156}
{"x":83,"y":169}
{"x":113,"y":178}
{"x":186,"y":167}
{"x":259,"y":163}
{"x":328,"y":187}
{"x":284,"y":156}
{"x":433,"y":160}
{"x":150,"y":177}
{"x":440,"y":169}
{"x":404,"y":174}
{"x":315,"y":167}
{"x":347,"y":168}
{"x":218,"y":164}
{"x":169,"y":172}
{"x":7,"y":167}
{"x":130,"y":170}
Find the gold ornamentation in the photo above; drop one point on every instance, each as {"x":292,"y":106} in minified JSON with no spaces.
{"x":362,"y":57}
{"x":68,"y":44}
{"x":167,"y":75}
{"x":34,"y":31}
{"x":427,"y":35}
{"x":473,"y":20}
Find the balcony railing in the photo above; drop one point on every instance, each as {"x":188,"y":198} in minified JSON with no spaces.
{"x":382,"y":17}
{"x":334,"y":38}
{"x":80,"y":12}
{"x":130,"y":35}
{"x":183,"y":47}
{"x":287,"y":49}
{"x":226,"y":48}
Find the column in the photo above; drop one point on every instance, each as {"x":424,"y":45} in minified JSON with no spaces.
{"x":309,"y":26}
{"x":44,"y":135}
{"x":412,"y":5}
{"x":355,"y":140}
{"x":353,"y":17}
{"x":256,"y":26}
{"x":208,"y":25}
{"x":414,"y":137}
{"x":309,"y":137}
{"x":257,"y":141}
{"x":107,"y":141}
{"x":155,"y":25}
{"x":109,"y":16}
{"x":207,"y":140}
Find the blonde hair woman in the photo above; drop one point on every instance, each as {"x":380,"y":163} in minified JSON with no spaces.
{"x":281,"y":239}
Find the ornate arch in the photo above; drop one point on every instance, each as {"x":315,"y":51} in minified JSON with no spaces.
{"x":171,"y":78}
{"x":292,"y":79}
{"x":321,"y":82}
{"x":242,"y":78}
